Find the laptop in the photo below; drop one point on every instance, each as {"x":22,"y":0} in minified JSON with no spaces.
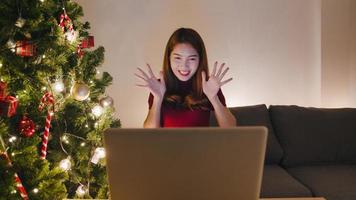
{"x":185,"y":163}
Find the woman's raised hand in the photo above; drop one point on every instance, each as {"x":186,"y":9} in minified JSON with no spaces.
{"x":214,"y":82}
{"x":156,"y":87}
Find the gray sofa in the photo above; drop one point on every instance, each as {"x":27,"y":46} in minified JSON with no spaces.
{"x":310,"y":151}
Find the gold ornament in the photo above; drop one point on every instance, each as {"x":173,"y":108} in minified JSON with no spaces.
{"x":80,"y":91}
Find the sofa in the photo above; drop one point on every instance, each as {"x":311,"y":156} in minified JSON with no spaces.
{"x":311,"y":152}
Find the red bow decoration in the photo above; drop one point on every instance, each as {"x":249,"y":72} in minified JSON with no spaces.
{"x":8,"y":104}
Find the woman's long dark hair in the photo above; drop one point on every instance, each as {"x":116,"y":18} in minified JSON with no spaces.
{"x":196,"y":99}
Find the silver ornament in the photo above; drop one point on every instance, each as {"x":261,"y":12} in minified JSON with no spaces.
{"x":106,"y":101}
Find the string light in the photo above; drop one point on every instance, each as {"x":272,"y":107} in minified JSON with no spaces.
{"x":65,"y":164}
{"x":0,"y":64}
{"x":82,"y":144}
{"x":86,"y":125}
{"x":97,"y":110}
{"x":12,"y":139}
{"x":44,"y":56}
{"x":65,"y":139}
{"x":35,"y":190}
{"x":13,"y":192}
{"x":43,"y":88}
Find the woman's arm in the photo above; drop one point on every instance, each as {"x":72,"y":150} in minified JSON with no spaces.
{"x":223,"y":115}
{"x":158,"y":89}
{"x":153,"y":119}
{"x":210,"y":88}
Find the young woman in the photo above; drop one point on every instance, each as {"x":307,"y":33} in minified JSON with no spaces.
{"x":184,"y":94}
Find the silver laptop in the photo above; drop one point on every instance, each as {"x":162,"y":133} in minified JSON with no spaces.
{"x":185,"y":163}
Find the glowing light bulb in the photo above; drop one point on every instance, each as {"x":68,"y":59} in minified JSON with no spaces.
{"x":82,"y":144}
{"x":35,"y":190}
{"x":12,"y":139}
{"x":0,"y":64}
{"x":65,"y":164}
{"x":97,"y":110}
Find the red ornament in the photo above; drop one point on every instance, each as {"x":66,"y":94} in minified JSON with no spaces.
{"x":87,"y":42}
{"x":26,"y":127}
{"x":8,"y":104}
{"x":25,"y":48}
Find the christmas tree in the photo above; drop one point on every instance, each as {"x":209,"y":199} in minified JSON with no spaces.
{"x":53,"y":105}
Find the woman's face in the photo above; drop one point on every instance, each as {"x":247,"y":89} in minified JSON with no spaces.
{"x":184,"y":61}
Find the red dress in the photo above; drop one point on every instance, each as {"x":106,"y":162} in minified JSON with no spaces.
{"x":184,"y":117}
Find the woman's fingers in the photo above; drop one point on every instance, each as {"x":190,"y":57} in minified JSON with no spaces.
{"x":226,"y":81}
{"x":143,"y":73}
{"x":220,"y":69}
{"x":150,"y":71}
{"x":141,"y":85}
{"x":223,"y":73}
{"x":214,"y":69}
{"x":141,"y":77}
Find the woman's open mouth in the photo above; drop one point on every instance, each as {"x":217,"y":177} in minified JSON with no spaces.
{"x":184,"y":73}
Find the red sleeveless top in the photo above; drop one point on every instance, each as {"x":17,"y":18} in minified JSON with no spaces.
{"x":184,"y":117}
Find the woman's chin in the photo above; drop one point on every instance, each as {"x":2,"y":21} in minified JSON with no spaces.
{"x":184,"y":78}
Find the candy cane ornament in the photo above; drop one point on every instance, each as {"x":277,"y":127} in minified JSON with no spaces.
{"x":18,"y":181}
{"x":46,"y":100}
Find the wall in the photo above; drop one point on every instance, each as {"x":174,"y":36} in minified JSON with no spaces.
{"x":272,"y":47}
{"x":338,"y":53}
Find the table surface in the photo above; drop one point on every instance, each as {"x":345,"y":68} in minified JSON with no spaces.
{"x":300,"y":198}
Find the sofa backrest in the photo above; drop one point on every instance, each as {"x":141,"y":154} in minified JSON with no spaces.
{"x":315,"y":135}
{"x":257,"y":115}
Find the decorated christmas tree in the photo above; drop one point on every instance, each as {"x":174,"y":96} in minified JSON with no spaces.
{"x":53,"y":105}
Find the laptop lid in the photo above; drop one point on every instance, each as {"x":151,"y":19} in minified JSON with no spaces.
{"x":185,"y":163}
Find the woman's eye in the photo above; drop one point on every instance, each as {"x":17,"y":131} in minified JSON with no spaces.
{"x":192,"y":59}
{"x":177,"y":58}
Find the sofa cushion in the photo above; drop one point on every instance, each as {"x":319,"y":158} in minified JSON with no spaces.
{"x":276,"y":182}
{"x":334,"y":182}
{"x":315,"y":135}
{"x":257,"y":115}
